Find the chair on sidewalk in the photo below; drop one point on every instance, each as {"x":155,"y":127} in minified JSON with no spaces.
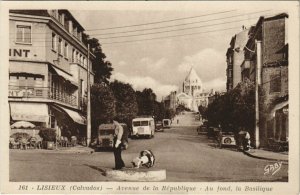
{"x":24,"y":143}
{"x":67,"y":142}
{"x":13,"y":144}
{"x":35,"y":142}
{"x":277,"y":146}
{"x":73,"y":140}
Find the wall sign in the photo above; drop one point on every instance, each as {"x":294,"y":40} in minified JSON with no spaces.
{"x":19,"y":52}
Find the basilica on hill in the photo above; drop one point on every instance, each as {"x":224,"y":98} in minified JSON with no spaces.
{"x":193,"y":93}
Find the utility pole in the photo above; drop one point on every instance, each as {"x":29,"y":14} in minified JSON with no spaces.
{"x":257,"y":84}
{"x":88,"y":131}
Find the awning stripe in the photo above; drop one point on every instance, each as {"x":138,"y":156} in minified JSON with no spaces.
{"x":64,"y":75}
{"x":277,"y":107}
{"x":21,"y":111}
{"x":75,"y":116}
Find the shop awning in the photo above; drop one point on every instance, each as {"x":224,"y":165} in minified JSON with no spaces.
{"x":64,"y":75}
{"x":75,"y":116}
{"x":277,"y":107}
{"x":21,"y":111}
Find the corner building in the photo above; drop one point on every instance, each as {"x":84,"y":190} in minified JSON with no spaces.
{"x":48,"y":70}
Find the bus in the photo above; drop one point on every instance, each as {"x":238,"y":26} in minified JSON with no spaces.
{"x":143,"y":127}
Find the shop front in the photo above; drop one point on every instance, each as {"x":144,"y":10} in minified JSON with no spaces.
{"x":69,"y":123}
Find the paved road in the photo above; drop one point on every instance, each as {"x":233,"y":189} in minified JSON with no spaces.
{"x":185,"y":155}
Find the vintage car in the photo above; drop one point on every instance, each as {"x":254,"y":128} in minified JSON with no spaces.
{"x":159,"y":126}
{"x":226,"y":139}
{"x":166,"y":123}
{"x":202,"y":129}
{"x":106,"y":133}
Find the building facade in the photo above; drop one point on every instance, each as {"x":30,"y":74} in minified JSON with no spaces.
{"x":235,"y":58}
{"x":48,"y":69}
{"x":273,"y":96}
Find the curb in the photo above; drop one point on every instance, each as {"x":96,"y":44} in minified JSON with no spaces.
{"x":61,"y":151}
{"x":137,"y":175}
{"x":263,"y":158}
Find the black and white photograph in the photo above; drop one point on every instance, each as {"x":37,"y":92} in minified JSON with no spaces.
{"x":150,"y":97}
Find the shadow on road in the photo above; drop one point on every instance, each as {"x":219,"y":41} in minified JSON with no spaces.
{"x":101,"y":170}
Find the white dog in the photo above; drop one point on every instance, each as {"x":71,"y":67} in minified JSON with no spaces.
{"x":146,"y":158}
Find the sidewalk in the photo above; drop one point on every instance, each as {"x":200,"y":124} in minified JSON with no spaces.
{"x":70,"y":150}
{"x":268,"y":155}
{"x":74,"y":149}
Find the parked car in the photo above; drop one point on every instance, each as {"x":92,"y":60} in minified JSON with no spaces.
{"x":106,"y":133}
{"x":159,"y":126}
{"x":213,"y":132}
{"x":226,"y":139}
{"x":166,"y":123}
{"x":202,"y":129}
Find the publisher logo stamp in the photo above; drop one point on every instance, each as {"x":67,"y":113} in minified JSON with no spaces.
{"x":272,"y":169}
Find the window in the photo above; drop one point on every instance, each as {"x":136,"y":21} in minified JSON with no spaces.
{"x":66,"y":50}
{"x":80,"y":59}
{"x":275,"y":83}
{"x":84,"y":62}
{"x":59,"y":18}
{"x":59,"y":46}
{"x":229,"y":73}
{"x":54,"y":41}
{"x":23,"y":34}
{"x":77,"y":57}
{"x":73,"y":55}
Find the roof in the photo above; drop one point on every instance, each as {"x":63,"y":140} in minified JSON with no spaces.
{"x":192,"y":75}
{"x":107,"y":126}
{"x":43,"y":12}
{"x":31,"y":12}
{"x":139,"y":119}
{"x":278,"y":16}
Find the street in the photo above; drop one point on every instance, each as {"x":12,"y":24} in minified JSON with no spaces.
{"x":185,"y":155}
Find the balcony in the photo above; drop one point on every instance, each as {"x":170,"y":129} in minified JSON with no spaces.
{"x":42,"y":92}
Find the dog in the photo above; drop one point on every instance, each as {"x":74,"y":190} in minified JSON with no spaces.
{"x":146,"y":159}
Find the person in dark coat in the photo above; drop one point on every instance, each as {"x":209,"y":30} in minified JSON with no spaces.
{"x":119,"y":163}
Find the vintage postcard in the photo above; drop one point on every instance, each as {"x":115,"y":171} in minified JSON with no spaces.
{"x":149,"y":97}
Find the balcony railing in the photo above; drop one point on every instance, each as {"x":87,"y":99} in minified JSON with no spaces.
{"x":42,"y":92}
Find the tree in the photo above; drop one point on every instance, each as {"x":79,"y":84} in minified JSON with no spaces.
{"x":103,"y":104}
{"x":146,"y":101}
{"x":170,"y":113}
{"x":159,"y":111}
{"x":202,"y":110}
{"x":126,"y":104}
{"x":101,"y":67}
{"x":235,"y":110}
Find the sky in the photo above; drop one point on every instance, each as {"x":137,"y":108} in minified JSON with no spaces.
{"x":163,"y":63}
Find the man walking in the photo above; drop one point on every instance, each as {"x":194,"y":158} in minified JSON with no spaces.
{"x":119,"y":163}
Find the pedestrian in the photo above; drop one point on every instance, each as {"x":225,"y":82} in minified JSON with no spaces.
{"x":247,"y":142}
{"x":119,"y":163}
{"x":177,"y":121}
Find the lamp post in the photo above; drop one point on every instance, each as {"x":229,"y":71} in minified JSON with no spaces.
{"x":88,"y":131}
{"x":257,"y":83}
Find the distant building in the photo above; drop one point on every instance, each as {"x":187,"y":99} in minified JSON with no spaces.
{"x":193,"y":94}
{"x":170,"y":100}
{"x":272,"y":32}
{"x":48,"y":70}
{"x":235,"y":58}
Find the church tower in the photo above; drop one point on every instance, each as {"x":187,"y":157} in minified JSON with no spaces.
{"x":192,"y":83}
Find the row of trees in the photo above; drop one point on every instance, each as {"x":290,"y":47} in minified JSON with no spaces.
{"x":117,"y":100}
{"x":233,"y":111}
